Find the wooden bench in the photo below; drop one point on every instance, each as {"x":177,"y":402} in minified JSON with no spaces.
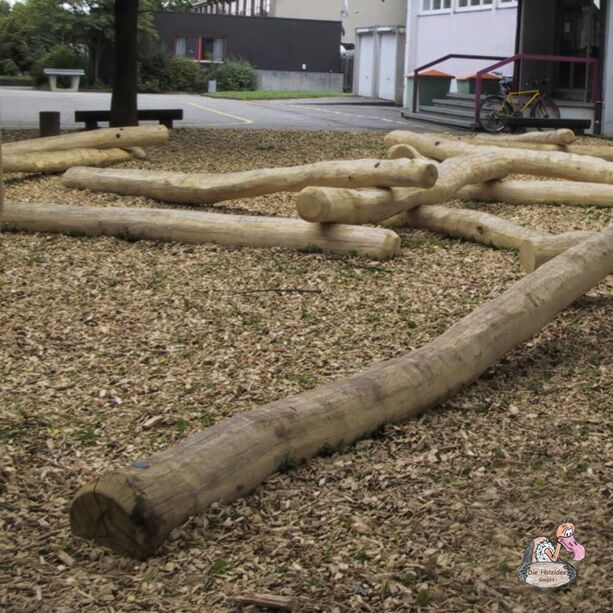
{"x":75,"y":75}
{"x":164,"y":116}
{"x":578,"y":125}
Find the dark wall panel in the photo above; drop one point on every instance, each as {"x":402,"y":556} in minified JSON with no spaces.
{"x":269,"y":43}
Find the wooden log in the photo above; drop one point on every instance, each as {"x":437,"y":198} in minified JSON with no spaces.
{"x":534,"y":252}
{"x":557,"y":164}
{"x":106,"y":138}
{"x":597,"y":151}
{"x":328,"y":205}
{"x":399,"y":152}
{"x":209,"y":188}
{"x":563,"y":136}
{"x":60,"y":161}
{"x":133,"y":509}
{"x":570,"y":193}
{"x":199,"y":227}
{"x":472,"y":225}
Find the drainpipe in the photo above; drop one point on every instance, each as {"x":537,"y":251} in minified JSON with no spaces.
{"x":518,"y":50}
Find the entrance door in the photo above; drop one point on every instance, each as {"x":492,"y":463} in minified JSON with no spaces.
{"x":387,"y":67}
{"x":579,"y":28}
{"x":367,"y":57}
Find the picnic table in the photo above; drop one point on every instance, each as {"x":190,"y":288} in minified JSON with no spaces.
{"x":75,"y":75}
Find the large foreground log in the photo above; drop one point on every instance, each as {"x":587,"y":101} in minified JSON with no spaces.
{"x":534,"y":252}
{"x":209,"y":188}
{"x":571,"y":193}
{"x":557,"y":164}
{"x":550,"y":137}
{"x":132,"y":510}
{"x":199,"y":227}
{"x":59,"y":161}
{"x":106,"y":138}
{"x":329,"y":205}
{"x":471,"y":225}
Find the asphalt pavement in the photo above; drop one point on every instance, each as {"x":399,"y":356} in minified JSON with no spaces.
{"x":19,"y":108}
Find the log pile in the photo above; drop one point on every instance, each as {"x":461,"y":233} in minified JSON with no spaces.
{"x":132,"y":510}
{"x":93,"y":148}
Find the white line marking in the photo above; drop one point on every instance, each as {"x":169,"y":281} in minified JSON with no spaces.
{"x":206,"y":108}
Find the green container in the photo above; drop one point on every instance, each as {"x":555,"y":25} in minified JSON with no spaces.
{"x":432,"y":84}
{"x":489,"y":84}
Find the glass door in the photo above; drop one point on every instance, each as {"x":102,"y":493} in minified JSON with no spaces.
{"x":579,"y":35}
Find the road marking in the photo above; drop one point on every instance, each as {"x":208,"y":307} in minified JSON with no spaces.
{"x":206,"y":108}
{"x":355,"y":115}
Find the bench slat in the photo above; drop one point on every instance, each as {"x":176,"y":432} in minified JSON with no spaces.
{"x":164,"y":116}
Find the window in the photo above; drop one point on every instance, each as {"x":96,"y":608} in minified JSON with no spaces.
{"x":507,"y":4}
{"x":213,"y":49}
{"x":186,"y":46}
{"x":435,"y":6}
{"x":200,"y":48}
{"x":474,"y":5}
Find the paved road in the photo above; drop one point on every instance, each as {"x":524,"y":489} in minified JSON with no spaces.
{"x":19,"y":108}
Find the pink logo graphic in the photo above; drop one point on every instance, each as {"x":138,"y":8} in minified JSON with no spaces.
{"x":541,"y":566}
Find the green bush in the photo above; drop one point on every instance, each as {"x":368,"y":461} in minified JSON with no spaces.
{"x":235,"y":75}
{"x":8,"y":68}
{"x":160,"y":73}
{"x":186,"y":76}
{"x":60,"y":56}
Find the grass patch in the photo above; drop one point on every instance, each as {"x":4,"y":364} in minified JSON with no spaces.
{"x":276,"y":95}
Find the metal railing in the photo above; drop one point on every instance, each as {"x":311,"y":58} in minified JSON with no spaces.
{"x":517,"y":60}
{"x":450,"y":56}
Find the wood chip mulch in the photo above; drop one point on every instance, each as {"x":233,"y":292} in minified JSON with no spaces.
{"x":113,"y":350}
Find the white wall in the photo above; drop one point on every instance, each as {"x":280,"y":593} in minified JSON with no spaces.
{"x":482,"y":32}
{"x":362,"y":13}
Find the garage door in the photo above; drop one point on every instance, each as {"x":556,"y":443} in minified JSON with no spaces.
{"x":387,"y":67}
{"x":365,"y":69}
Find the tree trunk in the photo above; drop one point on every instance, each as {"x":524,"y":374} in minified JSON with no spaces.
{"x":123,"y":101}
{"x":534,"y":252}
{"x":59,"y":161}
{"x":106,"y":138}
{"x":198,"y":227}
{"x":570,"y":193}
{"x":133,"y":509}
{"x":209,"y":188}
{"x":472,"y":225}
{"x":573,"y":167}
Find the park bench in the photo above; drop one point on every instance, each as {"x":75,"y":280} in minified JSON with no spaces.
{"x":578,"y":125}
{"x":164,"y":116}
{"x":74,"y":74}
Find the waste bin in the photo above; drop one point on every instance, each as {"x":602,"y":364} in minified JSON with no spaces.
{"x":432,"y":84}
{"x":489,"y":83}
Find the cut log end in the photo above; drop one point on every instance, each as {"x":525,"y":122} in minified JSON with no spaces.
{"x":108,"y":512}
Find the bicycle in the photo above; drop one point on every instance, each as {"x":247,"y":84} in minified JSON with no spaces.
{"x":495,"y":109}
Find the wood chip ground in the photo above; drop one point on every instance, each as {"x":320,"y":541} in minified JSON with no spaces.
{"x":112,"y":350}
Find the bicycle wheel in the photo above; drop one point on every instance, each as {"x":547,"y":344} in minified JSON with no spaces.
{"x":492,"y":112}
{"x":545,"y":108}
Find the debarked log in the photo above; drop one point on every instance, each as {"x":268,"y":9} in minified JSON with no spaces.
{"x":210,"y":188}
{"x":534,"y":252}
{"x":59,"y":161}
{"x":598,"y":151}
{"x":133,"y":509}
{"x":199,"y":227}
{"x":557,"y":164}
{"x":563,"y":136}
{"x":471,"y":225}
{"x":105,"y":138}
{"x":570,"y":193}
{"x":330,"y":205}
